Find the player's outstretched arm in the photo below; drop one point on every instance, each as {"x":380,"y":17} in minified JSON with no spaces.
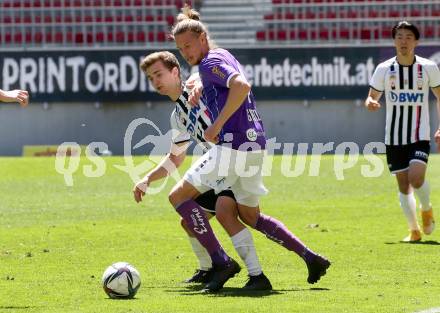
{"x":372,"y":101}
{"x":436,"y":92}
{"x":166,"y":166}
{"x":20,"y":96}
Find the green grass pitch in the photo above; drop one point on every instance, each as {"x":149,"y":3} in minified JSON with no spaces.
{"x":56,"y":241}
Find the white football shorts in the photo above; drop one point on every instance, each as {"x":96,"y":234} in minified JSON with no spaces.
{"x":224,"y":168}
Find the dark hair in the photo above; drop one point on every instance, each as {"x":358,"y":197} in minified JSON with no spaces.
{"x":167,"y":58}
{"x":405,"y":25}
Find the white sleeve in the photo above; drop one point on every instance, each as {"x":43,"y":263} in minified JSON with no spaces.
{"x":377,"y":81}
{"x":433,"y":74}
{"x":178,"y":135}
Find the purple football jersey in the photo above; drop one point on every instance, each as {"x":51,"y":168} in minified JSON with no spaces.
{"x":245,"y":125}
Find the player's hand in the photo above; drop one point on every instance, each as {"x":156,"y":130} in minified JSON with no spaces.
{"x":195,"y":94}
{"x":372,"y":105}
{"x":20,"y":96}
{"x":437,"y":139}
{"x":139,"y":190}
{"x":211,"y":133}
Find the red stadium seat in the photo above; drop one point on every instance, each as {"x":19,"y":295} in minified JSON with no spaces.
{"x":289,"y":16}
{"x":292,"y":35}
{"x":344,"y":33}
{"x":79,"y":38}
{"x":269,"y":17}
{"x":323,"y":34}
{"x":140,"y":36}
{"x":365,"y":34}
{"x":302,"y":34}
{"x":261,"y":35}
{"x":48,"y":37}
{"x":120,"y":37}
{"x":38,"y":37}
{"x":428,"y":32}
{"x":170,"y":19}
{"x":161,"y":36}
{"x":281,"y":34}
{"x":28,"y":37}
{"x":99,"y":37}
{"x":58,"y":37}
{"x":271,"y":35}
{"x":90,"y":38}
{"x":8,"y":38}
{"x":69,"y":37}
{"x":130,"y":37}
{"x":330,"y":14}
{"x":386,"y":33}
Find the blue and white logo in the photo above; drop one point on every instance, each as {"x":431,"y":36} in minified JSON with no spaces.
{"x":402,"y":97}
{"x":393,"y":97}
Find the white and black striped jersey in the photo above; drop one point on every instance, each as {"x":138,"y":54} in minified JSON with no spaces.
{"x":406,"y":92}
{"x":190,"y":122}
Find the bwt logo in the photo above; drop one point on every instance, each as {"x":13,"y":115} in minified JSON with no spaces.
{"x":406,"y":97}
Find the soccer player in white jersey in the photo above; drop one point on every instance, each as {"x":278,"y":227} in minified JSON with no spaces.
{"x":406,"y":79}
{"x":163,"y":70}
{"x":20,"y":96}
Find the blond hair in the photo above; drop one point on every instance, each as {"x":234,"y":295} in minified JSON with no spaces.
{"x":189,"y":20}
{"x":167,"y":58}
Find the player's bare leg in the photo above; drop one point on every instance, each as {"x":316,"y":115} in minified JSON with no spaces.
{"x":275,"y":230}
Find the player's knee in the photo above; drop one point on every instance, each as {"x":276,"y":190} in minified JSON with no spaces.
{"x":416,"y":182}
{"x":223,"y":215}
{"x":174,"y":197}
{"x":249,"y":218}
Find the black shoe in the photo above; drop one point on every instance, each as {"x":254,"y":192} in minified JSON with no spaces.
{"x":317,"y":268}
{"x":200,"y":276}
{"x":221,"y":275}
{"x":259,"y":282}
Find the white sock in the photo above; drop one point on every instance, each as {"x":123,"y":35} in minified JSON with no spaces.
{"x":244,"y":245}
{"x":201,"y":254}
{"x":408,"y":205}
{"x":423,"y":194}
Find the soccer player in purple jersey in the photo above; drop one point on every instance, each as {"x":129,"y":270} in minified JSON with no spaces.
{"x":163,"y":70}
{"x":20,"y":96}
{"x":239,"y":135}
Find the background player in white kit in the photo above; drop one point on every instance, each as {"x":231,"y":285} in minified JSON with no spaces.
{"x":406,"y":80}
{"x":163,"y":70}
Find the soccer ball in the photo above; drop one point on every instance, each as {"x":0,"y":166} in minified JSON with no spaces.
{"x":121,"y":281}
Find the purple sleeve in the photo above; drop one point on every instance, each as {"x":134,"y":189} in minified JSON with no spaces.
{"x":217,"y":71}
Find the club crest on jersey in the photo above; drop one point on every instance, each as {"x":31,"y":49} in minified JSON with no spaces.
{"x":251,"y":134}
{"x":393,"y":81}
{"x":410,"y":97}
{"x":218,"y":72}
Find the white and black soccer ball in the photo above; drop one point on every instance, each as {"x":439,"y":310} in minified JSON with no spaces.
{"x":121,"y":280}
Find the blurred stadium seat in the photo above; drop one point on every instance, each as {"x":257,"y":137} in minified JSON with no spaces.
{"x":347,"y":21}
{"x":231,"y":22}
{"x":86,"y":22}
